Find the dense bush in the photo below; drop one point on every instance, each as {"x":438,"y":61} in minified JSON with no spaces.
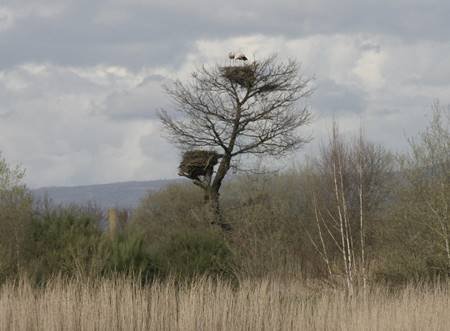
{"x":66,"y":240}
{"x":194,"y":253}
{"x":178,"y":236}
{"x":415,"y":231}
{"x":15,"y":221}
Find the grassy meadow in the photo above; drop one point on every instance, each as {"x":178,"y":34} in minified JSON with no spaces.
{"x":205,"y":304}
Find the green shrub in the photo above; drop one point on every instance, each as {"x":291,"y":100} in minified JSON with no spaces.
{"x":15,"y":221}
{"x":67,"y":240}
{"x":194,"y":253}
{"x":178,"y":203}
{"x":126,"y":254}
{"x":177,"y":235}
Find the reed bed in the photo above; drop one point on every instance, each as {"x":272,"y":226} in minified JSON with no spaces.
{"x":206,"y":304}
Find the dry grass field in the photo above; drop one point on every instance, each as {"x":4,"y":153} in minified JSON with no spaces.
{"x":209,"y":305}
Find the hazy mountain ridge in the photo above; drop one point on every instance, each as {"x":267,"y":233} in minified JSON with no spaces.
{"x":121,"y":195}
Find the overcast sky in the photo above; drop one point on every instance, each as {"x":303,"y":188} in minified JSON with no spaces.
{"x":80,"y":81}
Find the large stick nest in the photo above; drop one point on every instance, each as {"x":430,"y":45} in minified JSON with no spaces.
{"x":197,"y":163}
{"x":243,"y":75}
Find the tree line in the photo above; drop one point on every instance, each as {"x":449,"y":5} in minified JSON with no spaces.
{"x":353,"y":214}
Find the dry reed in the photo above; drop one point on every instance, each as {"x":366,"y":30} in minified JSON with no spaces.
{"x":122,"y":304}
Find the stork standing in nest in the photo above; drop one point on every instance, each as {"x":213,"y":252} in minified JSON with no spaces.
{"x":231,"y":56}
{"x":241,"y":57}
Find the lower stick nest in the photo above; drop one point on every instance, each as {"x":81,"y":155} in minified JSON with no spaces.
{"x":197,"y":163}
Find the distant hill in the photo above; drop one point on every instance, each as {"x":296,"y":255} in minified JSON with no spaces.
{"x":120,"y":195}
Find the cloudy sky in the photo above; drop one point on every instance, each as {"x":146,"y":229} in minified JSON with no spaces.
{"x":80,"y":81}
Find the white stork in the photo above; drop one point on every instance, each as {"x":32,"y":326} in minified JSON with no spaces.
{"x":241,"y":57}
{"x":231,"y":56}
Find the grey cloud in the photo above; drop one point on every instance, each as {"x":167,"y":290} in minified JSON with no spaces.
{"x":50,"y":81}
{"x":139,"y":103}
{"x":161,"y":33}
{"x":54,"y":134}
{"x":156,"y":147}
{"x":332,"y":98}
{"x":74,"y":38}
{"x":367,"y":45}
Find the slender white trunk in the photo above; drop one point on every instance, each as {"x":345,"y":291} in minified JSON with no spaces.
{"x":324,"y":249}
{"x":361,"y":216}
{"x":447,"y":248}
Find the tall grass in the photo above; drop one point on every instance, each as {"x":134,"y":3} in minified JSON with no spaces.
{"x":205,"y":304}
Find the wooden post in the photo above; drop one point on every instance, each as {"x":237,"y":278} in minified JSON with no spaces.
{"x":113,"y":221}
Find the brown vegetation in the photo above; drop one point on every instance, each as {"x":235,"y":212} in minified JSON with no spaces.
{"x":205,"y":304}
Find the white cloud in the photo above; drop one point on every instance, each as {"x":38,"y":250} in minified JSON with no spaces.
{"x":54,"y":122}
{"x":369,"y":69}
{"x":6,"y":18}
{"x":19,"y":10}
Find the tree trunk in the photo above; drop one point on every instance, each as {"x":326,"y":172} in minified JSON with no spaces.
{"x":213,"y":205}
{"x":212,"y":194}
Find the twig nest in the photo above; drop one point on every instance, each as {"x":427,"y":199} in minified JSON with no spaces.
{"x":242,"y":75}
{"x":197,"y":163}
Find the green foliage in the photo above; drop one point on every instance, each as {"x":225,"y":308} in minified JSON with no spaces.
{"x":70,"y":241}
{"x":194,"y":253}
{"x":177,"y":235}
{"x":15,"y":220}
{"x":10,"y":177}
{"x":400,"y":266}
{"x":67,"y":240}
{"x":126,"y":254}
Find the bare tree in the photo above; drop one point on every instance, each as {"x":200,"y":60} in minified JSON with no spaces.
{"x":427,"y":173}
{"x":350,"y":185}
{"x":249,"y":109}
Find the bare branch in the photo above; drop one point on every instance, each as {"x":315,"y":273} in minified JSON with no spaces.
{"x":261,"y":118}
